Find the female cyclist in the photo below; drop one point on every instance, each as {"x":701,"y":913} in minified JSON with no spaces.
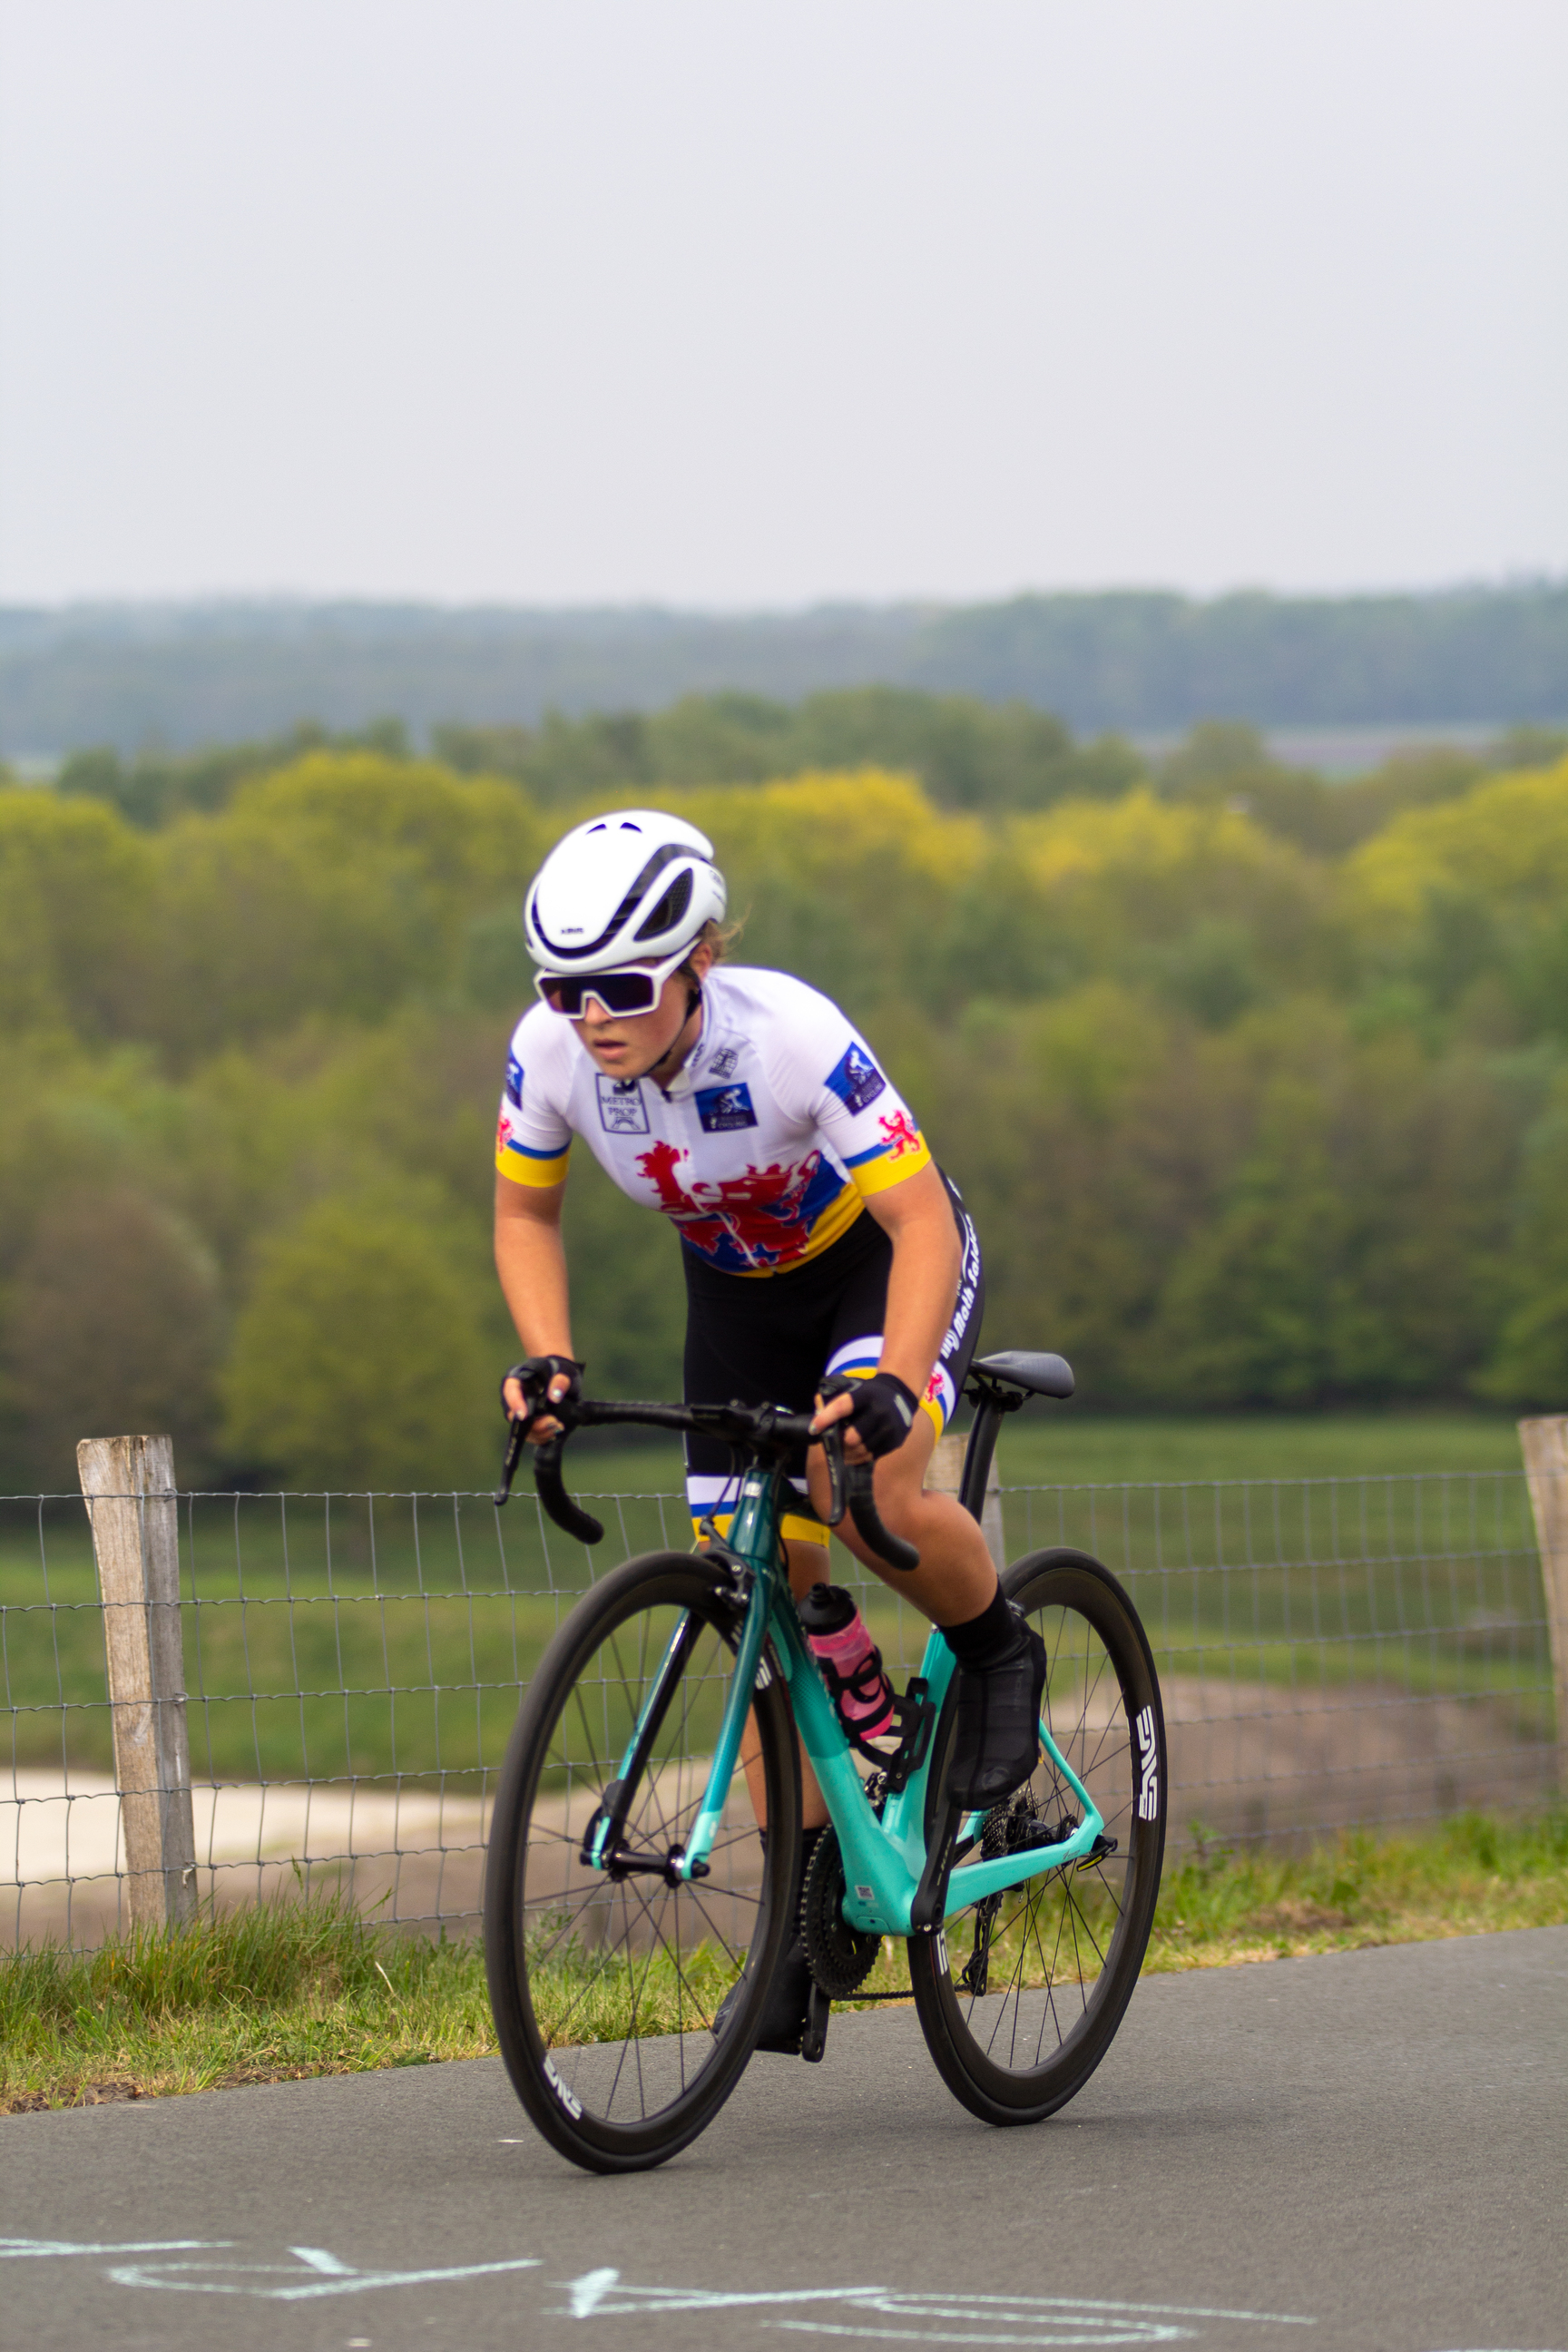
{"x":828,"y":1259}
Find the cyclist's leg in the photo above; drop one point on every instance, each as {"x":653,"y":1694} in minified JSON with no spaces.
{"x":808,"y":1566}
{"x":956,"y":1579}
{"x":763,"y":1342}
{"x":1002,"y":1663}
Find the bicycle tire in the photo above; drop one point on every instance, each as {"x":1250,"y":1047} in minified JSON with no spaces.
{"x":1017,"y":2030}
{"x":605,"y":1990}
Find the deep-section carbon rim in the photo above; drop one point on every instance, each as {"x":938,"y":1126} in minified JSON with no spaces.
{"x":606,"y":1987}
{"x":1020,"y":1999}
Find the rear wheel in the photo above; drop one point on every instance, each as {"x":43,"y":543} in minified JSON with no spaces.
{"x":1020,"y":1997}
{"x":606,"y":1986}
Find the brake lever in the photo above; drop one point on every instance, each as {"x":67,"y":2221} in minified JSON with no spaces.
{"x":833,"y":1455}
{"x":517,"y":1438}
{"x":547,"y":1481}
{"x":850,"y":1486}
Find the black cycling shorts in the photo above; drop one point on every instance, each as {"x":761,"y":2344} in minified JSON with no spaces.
{"x":773,"y":1339}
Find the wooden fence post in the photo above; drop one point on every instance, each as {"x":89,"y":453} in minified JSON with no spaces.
{"x":1545,"y":1447}
{"x":129,"y":1486}
{"x":944,"y":1477}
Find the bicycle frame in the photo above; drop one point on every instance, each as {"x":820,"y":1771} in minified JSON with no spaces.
{"x":884,"y":1858}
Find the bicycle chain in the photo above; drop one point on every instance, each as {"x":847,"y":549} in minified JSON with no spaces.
{"x":840,"y":1957}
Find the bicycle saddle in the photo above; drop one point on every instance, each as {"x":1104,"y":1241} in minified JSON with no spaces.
{"x":1020,"y":1368}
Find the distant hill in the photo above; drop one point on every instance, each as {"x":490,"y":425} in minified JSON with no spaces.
{"x":1144,"y":661}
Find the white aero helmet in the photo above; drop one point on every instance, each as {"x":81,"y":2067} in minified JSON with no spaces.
{"x":632,"y":887}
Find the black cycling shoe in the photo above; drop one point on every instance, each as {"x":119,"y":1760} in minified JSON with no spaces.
{"x":996,"y":1743}
{"x":789,"y":2010}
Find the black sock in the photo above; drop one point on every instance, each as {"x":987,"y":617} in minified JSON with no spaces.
{"x":986,"y":1641}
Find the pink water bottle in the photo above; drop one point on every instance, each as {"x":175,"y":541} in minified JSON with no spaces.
{"x":850,"y":1662}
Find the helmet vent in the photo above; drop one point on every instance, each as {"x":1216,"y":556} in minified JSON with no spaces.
{"x":669,"y":910}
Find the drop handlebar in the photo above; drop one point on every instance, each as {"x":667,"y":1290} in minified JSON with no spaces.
{"x":764,"y":1432}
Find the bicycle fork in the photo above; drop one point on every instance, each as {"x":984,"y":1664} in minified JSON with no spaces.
{"x":601,"y":1848}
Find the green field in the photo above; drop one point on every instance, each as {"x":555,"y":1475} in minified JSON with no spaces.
{"x":318,"y":1642}
{"x":1051,"y":1445}
{"x":330,"y":1640}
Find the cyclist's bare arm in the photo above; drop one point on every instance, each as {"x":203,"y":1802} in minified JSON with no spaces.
{"x":531,"y":1260}
{"x":922,"y":1285}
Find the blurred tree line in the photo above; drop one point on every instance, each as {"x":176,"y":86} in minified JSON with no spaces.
{"x":1259,"y":1084}
{"x":221,"y":669}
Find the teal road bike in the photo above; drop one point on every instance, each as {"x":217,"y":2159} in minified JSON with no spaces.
{"x":629,"y":1890}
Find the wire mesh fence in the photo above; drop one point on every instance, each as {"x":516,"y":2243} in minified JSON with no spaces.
{"x":1333,"y":1652}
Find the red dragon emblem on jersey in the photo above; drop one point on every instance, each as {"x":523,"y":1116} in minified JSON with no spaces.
{"x":902,"y":1134}
{"x":761,"y":1215}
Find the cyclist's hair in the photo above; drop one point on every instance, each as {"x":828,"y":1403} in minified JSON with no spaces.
{"x":720,"y":936}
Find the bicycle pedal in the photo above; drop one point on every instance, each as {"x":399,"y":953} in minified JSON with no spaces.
{"x":813,"y":2041}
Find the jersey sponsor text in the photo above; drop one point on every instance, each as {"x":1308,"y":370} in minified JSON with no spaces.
{"x":622,"y":1110}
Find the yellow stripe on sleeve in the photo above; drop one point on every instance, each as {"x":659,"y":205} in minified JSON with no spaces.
{"x":891,"y":1167}
{"x":531,"y":1167}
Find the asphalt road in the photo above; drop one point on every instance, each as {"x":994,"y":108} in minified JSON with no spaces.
{"x":1365,"y":2150}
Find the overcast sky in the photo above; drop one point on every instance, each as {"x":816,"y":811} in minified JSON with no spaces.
{"x":729,"y":302}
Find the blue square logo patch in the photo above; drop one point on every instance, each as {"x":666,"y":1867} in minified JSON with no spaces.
{"x":857,"y":1081}
{"x":514,"y":1081}
{"x":722,"y":1108}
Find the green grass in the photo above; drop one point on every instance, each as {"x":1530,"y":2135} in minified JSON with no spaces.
{"x":255,"y":1996}
{"x":307,"y":1988}
{"x":583,"y":1994}
{"x":1475,"y":1875}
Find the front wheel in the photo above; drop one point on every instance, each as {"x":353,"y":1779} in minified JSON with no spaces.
{"x":1019,"y":1997}
{"x":607,"y":1987}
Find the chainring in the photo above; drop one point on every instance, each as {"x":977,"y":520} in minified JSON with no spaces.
{"x":840,"y":1957}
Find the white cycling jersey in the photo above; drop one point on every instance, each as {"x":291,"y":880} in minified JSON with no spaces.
{"x":761,"y":1152}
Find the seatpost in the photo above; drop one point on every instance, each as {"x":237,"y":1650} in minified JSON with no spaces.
{"x":978,"y":1453}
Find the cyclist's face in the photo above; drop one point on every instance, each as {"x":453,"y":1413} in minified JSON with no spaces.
{"x":630,"y":1044}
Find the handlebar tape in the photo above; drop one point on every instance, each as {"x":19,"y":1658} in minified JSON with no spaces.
{"x":551,"y":1488}
{"x":858,"y":1483}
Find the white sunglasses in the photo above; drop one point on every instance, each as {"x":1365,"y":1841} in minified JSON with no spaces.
{"x":633,"y":988}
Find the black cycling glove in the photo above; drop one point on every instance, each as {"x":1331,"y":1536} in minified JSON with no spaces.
{"x":535,"y":1374}
{"x":884,"y":1410}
